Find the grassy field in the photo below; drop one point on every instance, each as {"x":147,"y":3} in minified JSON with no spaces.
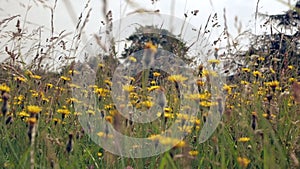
{"x":40,"y":128}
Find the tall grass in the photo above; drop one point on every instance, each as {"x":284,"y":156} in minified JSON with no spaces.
{"x":259,"y":128}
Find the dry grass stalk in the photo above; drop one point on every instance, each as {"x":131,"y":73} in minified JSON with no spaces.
{"x":296,"y":91}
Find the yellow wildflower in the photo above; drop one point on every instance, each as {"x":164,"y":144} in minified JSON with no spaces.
{"x":185,"y":128}
{"x":169,"y":115}
{"x":156,"y":74}
{"x":108,"y":106}
{"x":99,"y":154}
{"x":266,"y":115}
{"x":244,"y":162}
{"x":244,"y":82}
{"x":291,"y":80}
{"x":91,"y":112}
{"x":227,"y":88}
{"x":63,"y":111}
{"x":207,"y":103}
{"x":291,"y":67}
{"x":243,"y":139}
{"x":100,"y":65}
{"x":34,"y":93}
{"x":101,"y":91}
{"x":261,"y":58}
{"x":200,"y":82}
{"x":72,"y":72}
{"x":149,"y":45}
{"x":202,"y":96}
{"x":177,"y":78}
{"x":64,"y":78}
{"x":272,"y":84}
{"x":34,"y":109}
{"x":147,"y":104}
{"x":153,"y":88}
{"x":36,"y":77}
{"x":102,"y":134}
{"x":180,"y":144}
{"x":109,"y":119}
{"x":45,"y":99}
{"x":71,"y":85}
{"x":23,"y":114}
{"x":132,"y":58}
{"x":167,"y":110}
{"x":72,"y":100}
{"x":28,"y":72}
{"x":21,"y":79}
{"x":108,"y":82}
{"x":193,"y":153}
{"x":205,"y":72}
{"x":245,"y":69}
{"x":256,"y":73}
{"x":272,"y":70}
{"x":56,"y":120}
{"x":182,"y":116}
{"x":128,"y":88}
{"x":31,"y":120}
{"x":214,"y":61}
{"x":153,"y":82}
{"x":77,"y":113}
{"x":154,"y":137}
{"x":4,"y":88}
{"x":49,"y":85}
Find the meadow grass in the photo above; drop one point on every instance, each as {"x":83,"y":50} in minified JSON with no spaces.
{"x":40,"y":128}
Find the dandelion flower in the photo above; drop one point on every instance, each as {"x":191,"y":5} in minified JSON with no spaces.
{"x":132,"y":58}
{"x":291,"y":80}
{"x":214,"y":61}
{"x":20,"y":79}
{"x":99,"y":154}
{"x":200,"y":82}
{"x":151,"y":88}
{"x":36,"y":77}
{"x":4,"y":88}
{"x":244,"y":162}
{"x":64,"y":78}
{"x":149,"y":45}
{"x":291,"y":67}
{"x":101,"y":92}
{"x":261,"y":58}
{"x":246,"y":70}
{"x":128,"y":88}
{"x":72,"y":100}
{"x":63,"y":111}
{"x":257,"y":74}
{"x":169,"y":115}
{"x":272,"y":84}
{"x":193,"y":153}
{"x":49,"y":85}
{"x":101,"y":65}
{"x":147,"y":104}
{"x":177,"y":78}
{"x":243,"y":139}
{"x":31,"y":120}
{"x":108,"y":82}
{"x":180,"y":144}
{"x":23,"y":114}
{"x":156,"y":74}
{"x":34,"y":109}
{"x":109,"y":119}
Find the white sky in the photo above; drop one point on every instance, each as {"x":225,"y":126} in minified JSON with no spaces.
{"x":40,"y":16}
{"x":243,"y":9}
